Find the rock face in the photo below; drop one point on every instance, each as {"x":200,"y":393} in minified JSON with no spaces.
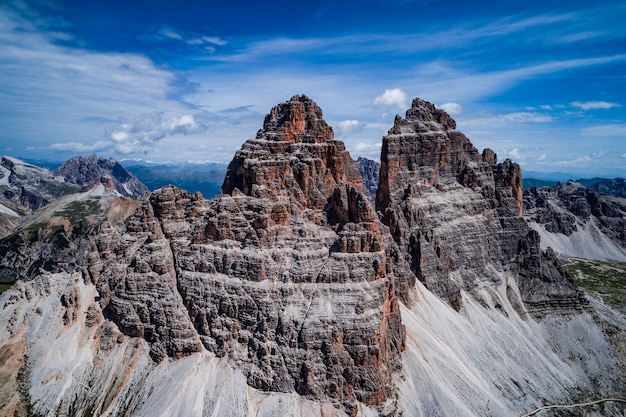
{"x":288,"y":275}
{"x":582,"y":222}
{"x":31,"y":186}
{"x":457,"y":213}
{"x":289,"y":296}
{"x":369,"y":171}
{"x":90,"y":170}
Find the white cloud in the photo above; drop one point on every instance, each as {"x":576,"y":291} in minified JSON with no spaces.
{"x":392,"y":97}
{"x":490,"y":121}
{"x":514,"y":153}
{"x":542,"y":157}
{"x":169,"y":33}
{"x":453,"y":109}
{"x":214,"y":40}
{"x":594,"y":105}
{"x":349,"y":126}
{"x":78,"y":147}
{"x":546,"y":107}
{"x":140,"y":134}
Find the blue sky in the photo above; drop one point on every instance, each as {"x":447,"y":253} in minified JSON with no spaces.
{"x":540,"y":82}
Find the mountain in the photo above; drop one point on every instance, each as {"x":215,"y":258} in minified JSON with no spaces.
{"x":533,"y":182}
{"x":290,"y":295}
{"x":369,"y":171}
{"x":31,"y":186}
{"x":615,"y":187}
{"x":577,"y":221}
{"x":204,"y":178}
{"x":86,"y":171}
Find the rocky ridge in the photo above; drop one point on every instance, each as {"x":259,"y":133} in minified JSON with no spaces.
{"x":288,"y":294}
{"x":457,"y":214}
{"x":87,"y":171}
{"x":369,"y":171}
{"x":31,"y":186}
{"x":578,"y":221}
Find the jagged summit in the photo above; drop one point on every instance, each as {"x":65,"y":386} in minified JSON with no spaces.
{"x":92,"y":170}
{"x":427,"y":113}
{"x":294,"y":154}
{"x":291,"y":295}
{"x":297,"y":120}
{"x":457,"y":213}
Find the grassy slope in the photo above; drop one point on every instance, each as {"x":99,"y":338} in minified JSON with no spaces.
{"x":607,"y":280}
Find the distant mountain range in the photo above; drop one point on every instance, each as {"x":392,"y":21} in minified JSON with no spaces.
{"x":205,"y":178}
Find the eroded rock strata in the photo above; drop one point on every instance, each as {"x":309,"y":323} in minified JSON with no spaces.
{"x":288,"y":275}
{"x":457,"y":214}
{"x":291,"y":284}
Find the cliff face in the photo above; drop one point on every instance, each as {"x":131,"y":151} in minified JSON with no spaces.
{"x":289,"y":296}
{"x":287,"y":275}
{"x":369,"y":171}
{"x":578,"y":221}
{"x":457,"y":213}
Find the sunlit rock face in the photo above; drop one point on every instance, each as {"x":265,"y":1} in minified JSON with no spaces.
{"x":288,"y":295}
{"x":288,"y":275}
{"x":456,"y":213}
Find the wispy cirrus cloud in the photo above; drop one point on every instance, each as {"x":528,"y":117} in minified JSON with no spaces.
{"x":605,"y":130}
{"x":594,"y":105}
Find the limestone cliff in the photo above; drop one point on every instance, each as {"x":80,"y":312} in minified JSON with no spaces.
{"x":288,"y":295}
{"x":288,"y":275}
{"x":457,"y":213}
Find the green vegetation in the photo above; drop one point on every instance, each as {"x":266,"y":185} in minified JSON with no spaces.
{"x":607,"y":280}
{"x":5,"y":286}
{"x":79,"y":210}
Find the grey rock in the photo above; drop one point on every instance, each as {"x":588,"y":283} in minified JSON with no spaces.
{"x":456,"y":213}
{"x":87,"y":171}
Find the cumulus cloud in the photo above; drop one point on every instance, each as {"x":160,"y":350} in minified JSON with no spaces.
{"x":349,"y":126}
{"x":594,"y":105}
{"x":141,"y":133}
{"x":546,"y":107}
{"x":453,"y":109}
{"x":514,"y":153}
{"x":394,"y":97}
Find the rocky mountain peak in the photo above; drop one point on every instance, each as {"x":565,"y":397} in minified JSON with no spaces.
{"x":297,"y":120}
{"x":457,"y":212}
{"x":295,"y":154}
{"x":88,"y":171}
{"x":424,"y":111}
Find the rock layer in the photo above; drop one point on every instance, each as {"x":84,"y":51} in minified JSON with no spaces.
{"x":288,"y":274}
{"x":457,"y":213}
